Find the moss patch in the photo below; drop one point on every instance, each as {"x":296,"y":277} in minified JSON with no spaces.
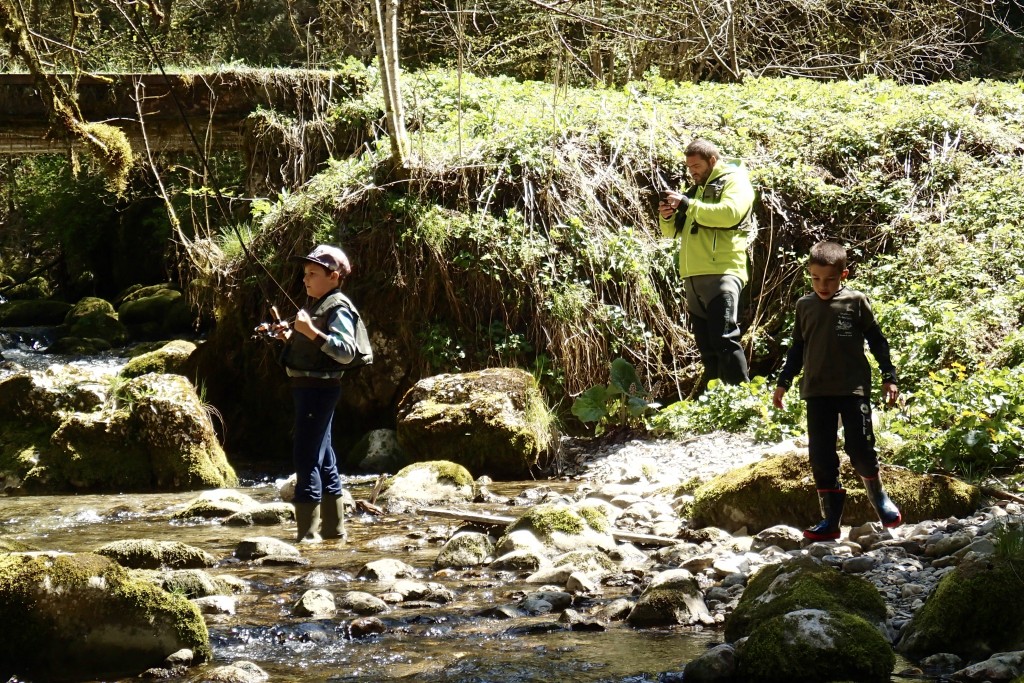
{"x":780,"y":490}
{"x":975,"y":611}
{"x":778,"y":652}
{"x":86,"y":614}
{"x":802,"y":583}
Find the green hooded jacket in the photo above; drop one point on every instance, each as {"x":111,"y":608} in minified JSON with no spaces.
{"x":722,"y":211}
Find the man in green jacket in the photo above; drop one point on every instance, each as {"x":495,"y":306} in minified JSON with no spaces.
{"x":712,"y":221}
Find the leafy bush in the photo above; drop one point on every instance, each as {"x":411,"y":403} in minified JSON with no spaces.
{"x":962,"y":422}
{"x":621,"y":403}
{"x":734,"y":408}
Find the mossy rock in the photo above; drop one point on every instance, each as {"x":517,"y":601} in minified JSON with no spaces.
{"x":33,"y":312}
{"x":100,"y":325}
{"x":780,"y":490}
{"x":376,"y":451}
{"x":32,"y":288}
{"x":87,"y":306}
{"x":802,"y":583}
{"x":465,"y":549}
{"x":428,"y":483}
{"x":493,"y":422}
{"x":812,"y":646}
{"x":149,"y":554}
{"x":673,"y":598}
{"x":149,"y":307}
{"x":77,"y":346}
{"x":562,"y":528}
{"x":171,"y":358}
{"x":975,"y":611}
{"x":12,"y":545}
{"x":85,"y":614}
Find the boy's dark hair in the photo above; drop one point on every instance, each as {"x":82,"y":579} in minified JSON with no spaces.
{"x":705,"y":149}
{"x":828,"y":254}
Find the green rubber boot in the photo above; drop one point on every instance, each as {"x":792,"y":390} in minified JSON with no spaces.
{"x":307,"y":518}
{"x":333,"y":518}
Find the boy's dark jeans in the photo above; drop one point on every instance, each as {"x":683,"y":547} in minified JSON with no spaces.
{"x":316,"y":467}
{"x":823,"y":415}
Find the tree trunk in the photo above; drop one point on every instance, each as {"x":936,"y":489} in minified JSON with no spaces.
{"x":386,"y":39}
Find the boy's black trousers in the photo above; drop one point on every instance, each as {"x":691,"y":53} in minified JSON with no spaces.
{"x":823,"y":416}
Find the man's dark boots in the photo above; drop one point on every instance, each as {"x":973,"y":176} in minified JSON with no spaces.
{"x":888,"y":514}
{"x":828,"y":529}
{"x":307,"y":519}
{"x":332,"y":517}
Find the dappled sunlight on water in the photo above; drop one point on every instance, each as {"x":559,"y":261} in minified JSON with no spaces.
{"x":424,"y":642}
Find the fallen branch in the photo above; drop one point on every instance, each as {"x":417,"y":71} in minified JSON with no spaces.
{"x":501,"y":520}
{"x":1000,"y":494}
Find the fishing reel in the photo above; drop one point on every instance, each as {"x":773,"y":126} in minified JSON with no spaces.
{"x":270,"y":330}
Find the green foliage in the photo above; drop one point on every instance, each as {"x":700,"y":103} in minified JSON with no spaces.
{"x":734,"y":408}
{"x":962,"y":422}
{"x":621,"y":403}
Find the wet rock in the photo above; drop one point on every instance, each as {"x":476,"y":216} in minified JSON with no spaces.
{"x":672,"y":597}
{"x":286,"y":560}
{"x":519,"y":560}
{"x":717,"y":665}
{"x":237,"y":672}
{"x":192,"y":583}
{"x":361,"y":603}
{"x":215,"y":604}
{"x":215,"y":504}
{"x":317,"y":603}
{"x":386,"y":570}
{"x":501,"y":612}
{"x":367,"y":626}
{"x":465,"y":549}
{"x":428,"y":483}
{"x":262,"y":546}
{"x":1005,"y":666}
{"x":148,"y":554}
{"x":267,"y":514}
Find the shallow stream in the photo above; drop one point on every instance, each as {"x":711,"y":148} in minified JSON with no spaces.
{"x":425,"y":642}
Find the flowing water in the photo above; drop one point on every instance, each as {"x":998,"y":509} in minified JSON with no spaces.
{"x":447,"y":643}
{"x":425,"y":642}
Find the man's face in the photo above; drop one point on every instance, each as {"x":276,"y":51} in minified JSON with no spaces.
{"x":700,"y":168}
{"x":826,"y":280}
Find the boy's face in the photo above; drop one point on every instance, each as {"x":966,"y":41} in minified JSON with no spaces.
{"x":318,"y":280}
{"x":826,"y":280}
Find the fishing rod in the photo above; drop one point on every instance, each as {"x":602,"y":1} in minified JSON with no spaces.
{"x":144,"y":37}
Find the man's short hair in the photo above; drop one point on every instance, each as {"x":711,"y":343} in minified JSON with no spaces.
{"x":702,"y":148}
{"x":828,"y":254}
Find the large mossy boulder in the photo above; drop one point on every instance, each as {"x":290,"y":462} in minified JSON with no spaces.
{"x":84,"y":615}
{"x":61,"y":432}
{"x":975,"y":611}
{"x":493,"y":422}
{"x":802,"y":583}
{"x":95,"y":318}
{"x":780,"y":490}
{"x":155,"y":311}
{"x":33,"y":312}
{"x":812,"y":646}
{"x":171,"y":358}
